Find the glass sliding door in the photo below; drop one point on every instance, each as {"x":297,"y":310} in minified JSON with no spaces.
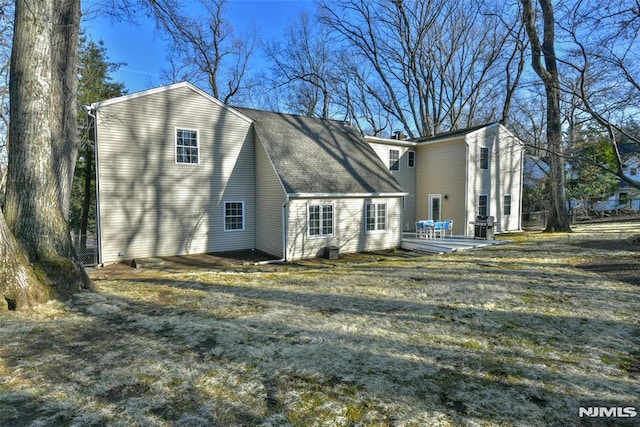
{"x":435,"y":207}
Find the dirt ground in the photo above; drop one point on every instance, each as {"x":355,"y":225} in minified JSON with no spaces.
{"x":623,"y":269}
{"x":618,"y":268}
{"x":247,"y":261}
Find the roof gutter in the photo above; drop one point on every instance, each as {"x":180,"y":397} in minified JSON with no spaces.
{"x":342,"y":195}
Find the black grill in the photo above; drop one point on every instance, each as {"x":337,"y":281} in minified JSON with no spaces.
{"x":483,"y":227}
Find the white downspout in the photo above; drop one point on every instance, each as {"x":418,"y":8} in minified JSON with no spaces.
{"x":285,"y":206}
{"x":91,"y":112}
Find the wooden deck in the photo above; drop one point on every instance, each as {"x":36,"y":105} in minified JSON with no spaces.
{"x":442,"y":246}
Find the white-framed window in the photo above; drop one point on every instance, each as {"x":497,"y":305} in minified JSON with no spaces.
{"x":233,"y":216}
{"x":394,"y":160}
{"x":320,"y":219}
{"x":187,"y":146}
{"x":483,"y":205}
{"x":375,"y":217}
{"x":506,"y":209}
{"x":411,"y":159}
{"x":484,"y":158}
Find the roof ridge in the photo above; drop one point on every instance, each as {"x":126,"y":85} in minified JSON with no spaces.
{"x":302,"y":116}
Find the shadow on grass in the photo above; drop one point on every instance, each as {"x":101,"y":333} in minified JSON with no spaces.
{"x":292,"y":352}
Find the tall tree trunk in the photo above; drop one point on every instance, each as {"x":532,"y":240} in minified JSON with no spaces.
{"x":33,"y":211}
{"x":64,"y":87}
{"x":19,"y":286}
{"x":558,"y":216}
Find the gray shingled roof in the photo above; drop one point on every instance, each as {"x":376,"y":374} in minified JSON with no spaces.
{"x":320,"y":156}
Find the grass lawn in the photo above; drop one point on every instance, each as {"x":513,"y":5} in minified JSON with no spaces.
{"x":514,"y":334}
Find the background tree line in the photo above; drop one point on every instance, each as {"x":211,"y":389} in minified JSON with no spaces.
{"x":417,"y":66}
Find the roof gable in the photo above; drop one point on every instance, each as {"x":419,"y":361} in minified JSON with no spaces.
{"x":454,"y":133}
{"x":318,"y":156}
{"x":162,"y":89}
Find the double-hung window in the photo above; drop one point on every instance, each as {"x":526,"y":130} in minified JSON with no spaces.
{"x":411,"y":159}
{"x":320,"y":221}
{"x":507,"y":205}
{"x":233,"y":216}
{"x":187,"y":146}
{"x":483,"y":205}
{"x":484,"y":158}
{"x":376,"y":217}
{"x":394,"y":160}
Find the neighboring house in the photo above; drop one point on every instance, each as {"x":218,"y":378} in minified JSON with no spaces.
{"x":459,"y":175}
{"x":626,"y":196}
{"x":178,"y":172}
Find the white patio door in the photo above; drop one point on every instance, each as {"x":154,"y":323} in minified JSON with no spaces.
{"x":435,"y":207}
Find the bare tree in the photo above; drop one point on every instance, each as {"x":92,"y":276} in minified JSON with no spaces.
{"x":515,"y":46}
{"x":543,"y":49}
{"x":6,"y":34}
{"x":605,"y":63}
{"x":204,"y":48}
{"x":433,"y":65}
{"x":305,"y":63}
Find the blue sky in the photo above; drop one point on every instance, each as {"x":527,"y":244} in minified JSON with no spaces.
{"x":144,"y":52}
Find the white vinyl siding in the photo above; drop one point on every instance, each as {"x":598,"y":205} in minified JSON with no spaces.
{"x":507,"y":161}
{"x":149,"y":206}
{"x":349,"y":233}
{"x":503,"y":178}
{"x":270,"y":198}
{"x":405,"y":176}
